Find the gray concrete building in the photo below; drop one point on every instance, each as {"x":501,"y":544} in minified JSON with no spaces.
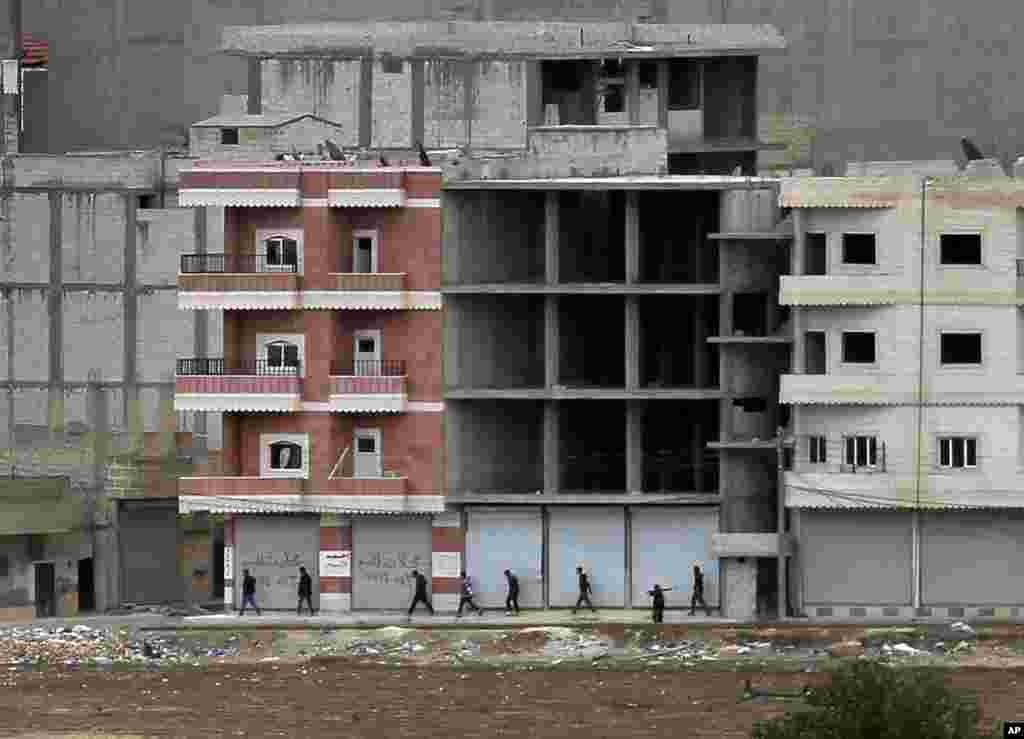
{"x":89,"y":247}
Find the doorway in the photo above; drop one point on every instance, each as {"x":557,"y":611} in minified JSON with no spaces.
{"x":46,"y":590}
{"x":367,"y":460}
{"x":86,"y":586}
{"x":366,"y":353}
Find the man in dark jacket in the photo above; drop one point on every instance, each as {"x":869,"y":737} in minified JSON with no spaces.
{"x":658,"y":594}
{"x":512,"y":601}
{"x":421,"y":593}
{"x":466,"y":599}
{"x":248,"y":592}
{"x":585,"y":591}
{"x":698,"y":592}
{"x":305,"y":590}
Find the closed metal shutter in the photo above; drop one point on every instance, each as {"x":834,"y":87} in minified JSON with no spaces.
{"x":273,"y":548}
{"x":385,"y":550}
{"x":666,"y":542}
{"x":149,"y":552}
{"x":856,"y":557}
{"x":972,"y":558}
{"x":505,"y":539}
{"x":595,"y":539}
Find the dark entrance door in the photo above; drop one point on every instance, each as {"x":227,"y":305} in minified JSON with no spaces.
{"x":46,"y":590}
{"x":86,"y":586}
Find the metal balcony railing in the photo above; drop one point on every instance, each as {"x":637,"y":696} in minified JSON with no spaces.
{"x":369,"y":368}
{"x":217,"y":366}
{"x":231,"y":264}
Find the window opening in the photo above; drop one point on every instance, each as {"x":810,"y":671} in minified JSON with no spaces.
{"x":858,"y":249}
{"x":858,"y":347}
{"x":960,"y":249}
{"x":960,"y":348}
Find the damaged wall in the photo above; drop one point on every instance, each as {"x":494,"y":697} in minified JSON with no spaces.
{"x":325,"y":87}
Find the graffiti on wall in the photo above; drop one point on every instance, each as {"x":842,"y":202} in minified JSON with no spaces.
{"x":390,"y":568}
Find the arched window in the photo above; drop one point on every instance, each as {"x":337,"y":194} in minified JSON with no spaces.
{"x":285,"y":455}
{"x":282,"y":254}
{"x":282,"y":357}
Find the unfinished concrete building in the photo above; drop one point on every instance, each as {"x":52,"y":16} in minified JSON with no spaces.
{"x":90,"y":330}
{"x":610,"y":264}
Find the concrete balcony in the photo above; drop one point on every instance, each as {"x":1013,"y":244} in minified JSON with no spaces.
{"x":751,"y":545}
{"x":208,"y":384}
{"x":949,"y":286}
{"x":369,"y":387}
{"x":239,"y":486}
{"x":237,"y":281}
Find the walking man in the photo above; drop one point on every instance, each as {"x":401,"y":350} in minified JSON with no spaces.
{"x":658,"y":593}
{"x":421,"y":593}
{"x":585,"y":591}
{"x":305,"y":590}
{"x":248,"y":592}
{"x":466,"y":598}
{"x":512,"y":601}
{"x":698,"y":592}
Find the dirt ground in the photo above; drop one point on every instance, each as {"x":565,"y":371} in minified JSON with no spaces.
{"x":357,"y":698}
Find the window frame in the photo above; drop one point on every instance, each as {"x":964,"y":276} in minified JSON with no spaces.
{"x":227,"y":132}
{"x":872,"y":448}
{"x":374,"y":235}
{"x":947,"y":444}
{"x":963,"y":365}
{"x":842,"y":348}
{"x":817,"y":449}
{"x":268,"y":440}
{"x":842,"y":249}
{"x":265,"y":234}
{"x":959,"y":265}
{"x":263,"y":341}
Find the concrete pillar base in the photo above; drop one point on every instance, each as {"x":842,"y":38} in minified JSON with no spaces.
{"x":740,"y":597}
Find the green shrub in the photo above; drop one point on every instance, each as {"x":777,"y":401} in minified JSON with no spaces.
{"x":870,"y":700}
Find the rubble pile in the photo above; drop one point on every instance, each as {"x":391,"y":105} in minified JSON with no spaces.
{"x":80,"y":644}
{"x":371,"y":648}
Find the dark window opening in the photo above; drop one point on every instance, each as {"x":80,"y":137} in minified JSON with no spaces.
{"x":562,"y":76}
{"x":960,"y":248}
{"x":366,"y":445}
{"x":648,"y":74}
{"x":818,"y":452}
{"x":858,"y":347}
{"x":816,"y":257}
{"x":614,"y":99}
{"x":146,"y":202}
{"x":284,"y":455}
{"x":282,"y":354}
{"x":364,"y":255}
{"x":749,"y":312}
{"x":958,"y":452}
{"x":684,"y":84}
{"x":391,"y":65}
{"x":858,"y":248}
{"x":5,"y":565}
{"x":229,"y":136}
{"x":366,"y":346}
{"x":611,"y":68}
{"x":751,"y":405}
{"x":814,"y":353}
{"x":282,"y":252}
{"x":961,"y":348}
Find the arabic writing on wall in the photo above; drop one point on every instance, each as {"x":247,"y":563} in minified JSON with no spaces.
{"x":391,"y":568}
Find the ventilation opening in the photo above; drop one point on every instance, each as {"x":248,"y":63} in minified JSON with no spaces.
{"x":858,"y":248}
{"x":961,"y":348}
{"x":960,"y":248}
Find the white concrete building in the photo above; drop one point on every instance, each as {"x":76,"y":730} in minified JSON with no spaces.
{"x":906,"y":394}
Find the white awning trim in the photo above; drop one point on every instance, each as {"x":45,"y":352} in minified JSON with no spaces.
{"x":219,"y":197}
{"x":310,"y":300}
{"x":366,"y":198}
{"x":344,"y":504}
{"x":238,"y":402}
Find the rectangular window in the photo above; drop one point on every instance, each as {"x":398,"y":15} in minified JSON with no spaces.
{"x":684,"y":84}
{"x":229,"y":136}
{"x":859,"y":249}
{"x":957,"y":249}
{"x":614,"y":99}
{"x":958,"y":452}
{"x":858,"y":347}
{"x":860,"y":451}
{"x":816,"y":256}
{"x":960,"y":348}
{"x":817,"y":453}
{"x":647,"y":73}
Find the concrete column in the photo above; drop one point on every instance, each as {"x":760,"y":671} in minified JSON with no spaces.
{"x":798,"y":255}
{"x":551,"y":237}
{"x":780,"y":526}
{"x":632,"y":342}
{"x":796,"y":322}
{"x":632,"y":237}
{"x":633,"y":92}
{"x":55,"y":308}
{"x":634,"y":447}
{"x":700,"y":349}
{"x":552,"y":341}
{"x":628,"y":539}
{"x":740,"y":588}
{"x":131,"y":315}
{"x":254,"y":103}
{"x":662,"y":94}
{"x":365,"y":117}
{"x":416,"y":70}
{"x":552,"y":459}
